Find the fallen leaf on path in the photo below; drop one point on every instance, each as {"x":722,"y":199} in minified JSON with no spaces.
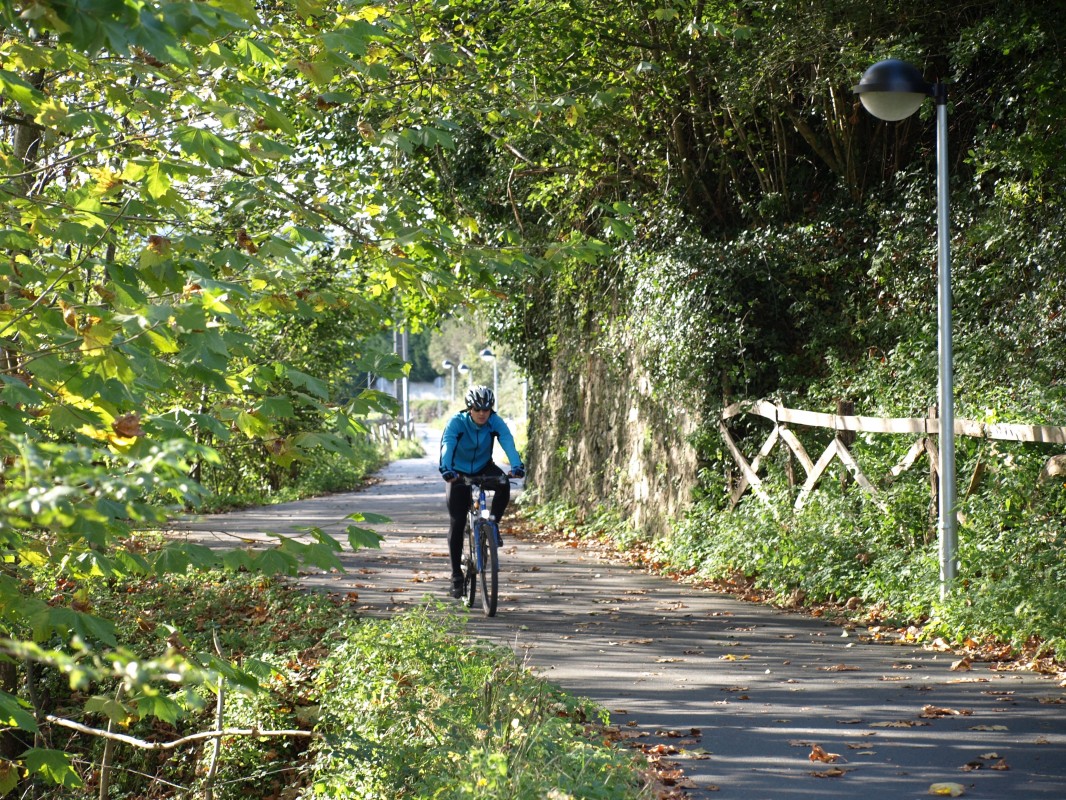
{"x":962,"y":665}
{"x":818,"y":754}
{"x":668,"y":660}
{"x":840,"y":668}
{"x":674,"y":606}
{"x":900,"y":723}
{"x":658,"y":749}
{"x":935,"y":712}
{"x":832,"y":772}
{"x":981,"y":762}
{"x":947,"y":789}
{"x":638,"y":641}
{"x":1051,"y":701}
{"x":989,"y":728}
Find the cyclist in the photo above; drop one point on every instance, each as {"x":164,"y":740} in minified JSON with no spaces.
{"x":466,"y":450}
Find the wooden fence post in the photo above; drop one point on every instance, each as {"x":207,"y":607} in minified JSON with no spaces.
{"x":845,"y":408}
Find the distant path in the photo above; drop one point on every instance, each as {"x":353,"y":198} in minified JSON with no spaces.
{"x":742,"y":691}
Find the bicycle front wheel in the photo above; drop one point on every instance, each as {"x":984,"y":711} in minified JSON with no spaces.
{"x":469,"y":569}
{"x":490,"y":567}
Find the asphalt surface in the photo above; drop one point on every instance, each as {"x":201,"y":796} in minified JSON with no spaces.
{"x":736,"y":694}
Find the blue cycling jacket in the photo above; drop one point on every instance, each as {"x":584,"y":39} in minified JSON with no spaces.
{"x":466,"y":447}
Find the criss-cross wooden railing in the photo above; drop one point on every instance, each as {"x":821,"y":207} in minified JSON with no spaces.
{"x":847,"y":426}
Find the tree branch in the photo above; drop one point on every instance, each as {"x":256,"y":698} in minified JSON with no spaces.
{"x":184,"y":740}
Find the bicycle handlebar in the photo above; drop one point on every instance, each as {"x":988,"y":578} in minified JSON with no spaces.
{"x":485,"y":481}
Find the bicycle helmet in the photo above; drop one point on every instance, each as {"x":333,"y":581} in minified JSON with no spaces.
{"x":480,"y":398}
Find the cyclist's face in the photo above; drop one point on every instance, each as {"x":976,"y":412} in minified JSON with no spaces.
{"x":480,"y":416}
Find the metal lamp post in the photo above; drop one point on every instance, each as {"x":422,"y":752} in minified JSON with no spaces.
{"x":488,"y":355}
{"x":463,"y":369}
{"x":450,"y":366}
{"x":892,"y":90}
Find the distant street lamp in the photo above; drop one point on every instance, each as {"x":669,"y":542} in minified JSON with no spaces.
{"x":448,"y":365}
{"x":488,"y":355}
{"x":892,"y":90}
{"x":463,"y":369}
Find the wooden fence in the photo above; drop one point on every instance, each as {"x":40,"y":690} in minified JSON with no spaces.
{"x":847,"y":425}
{"x":387,"y":431}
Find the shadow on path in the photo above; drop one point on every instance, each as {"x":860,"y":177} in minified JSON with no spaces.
{"x":742,"y":692}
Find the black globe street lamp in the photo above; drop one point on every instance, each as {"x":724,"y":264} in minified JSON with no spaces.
{"x":892,"y":90}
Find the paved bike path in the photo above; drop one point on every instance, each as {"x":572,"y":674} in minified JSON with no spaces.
{"x":737,"y":694}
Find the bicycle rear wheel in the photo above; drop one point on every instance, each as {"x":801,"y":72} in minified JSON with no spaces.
{"x":490,"y":567}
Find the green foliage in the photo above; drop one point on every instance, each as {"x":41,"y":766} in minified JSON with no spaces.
{"x":208,"y":219}
{"x":399,"y":707}
{"x":408,"y":448}
{"x":422,"y":715}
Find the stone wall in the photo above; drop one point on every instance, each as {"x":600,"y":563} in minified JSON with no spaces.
{"x":598,"y":436}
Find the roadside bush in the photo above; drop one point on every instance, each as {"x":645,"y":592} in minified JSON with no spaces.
{"x":409,"y":709}
{"x":242,"y":482}
{"x":403,"y":707}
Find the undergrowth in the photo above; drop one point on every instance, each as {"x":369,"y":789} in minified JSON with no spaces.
{"x":403,"y":707}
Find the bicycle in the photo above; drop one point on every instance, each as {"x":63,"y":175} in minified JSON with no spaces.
{"x":481,"y":561}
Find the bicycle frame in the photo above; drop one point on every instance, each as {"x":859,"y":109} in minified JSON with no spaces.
{"x":484,"y":541}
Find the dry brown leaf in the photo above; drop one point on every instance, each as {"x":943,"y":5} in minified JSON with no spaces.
{"x":962,"y":665}
{"x":818,"y":754}
{"x":935,"y":712}
{"x":989,"y":728}
{"x":832,"y":772}
{"x":840,"y":668}
{"x":128,"y":426}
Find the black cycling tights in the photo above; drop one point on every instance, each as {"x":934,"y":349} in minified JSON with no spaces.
{"x":457,"y":498}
